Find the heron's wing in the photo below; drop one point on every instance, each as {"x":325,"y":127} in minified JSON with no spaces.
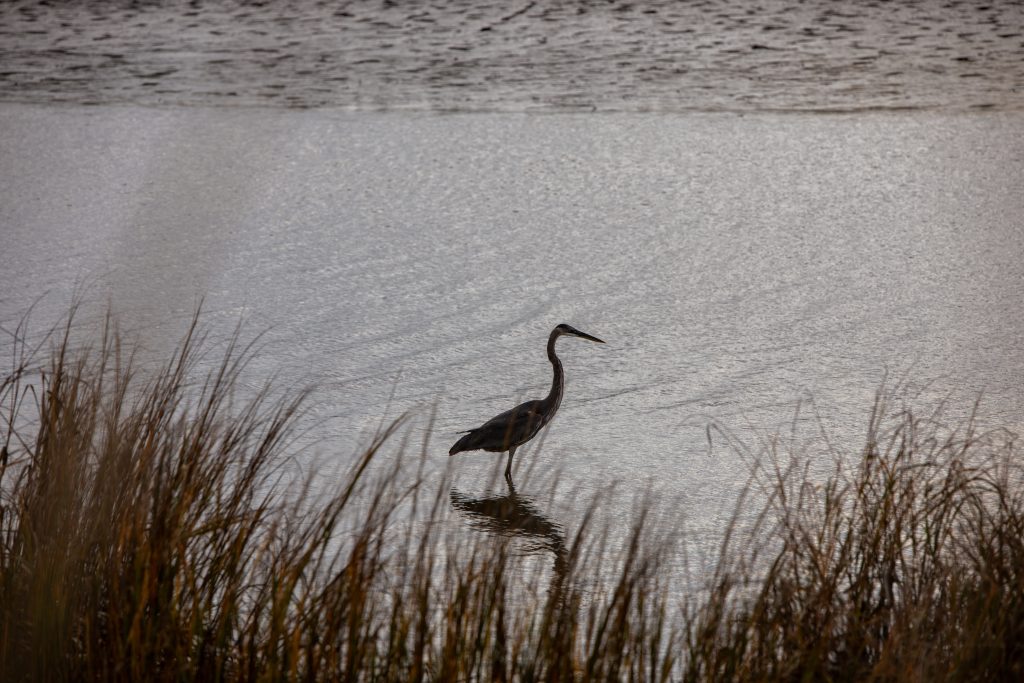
{"x":521,"y":412}
{"x":512,"y":427}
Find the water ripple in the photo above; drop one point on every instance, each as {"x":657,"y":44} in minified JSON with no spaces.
{"x":713,"y":55}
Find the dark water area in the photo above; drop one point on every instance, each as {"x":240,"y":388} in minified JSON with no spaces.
{"x":713,"y":55}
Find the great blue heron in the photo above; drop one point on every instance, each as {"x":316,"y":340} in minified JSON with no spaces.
{"x":513,"y":428}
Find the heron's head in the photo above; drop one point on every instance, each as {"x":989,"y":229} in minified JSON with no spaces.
{"x":570,"y":330}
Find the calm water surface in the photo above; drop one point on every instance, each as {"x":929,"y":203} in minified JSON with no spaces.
{"x":736,"y":265}
{"x":312,"y":169}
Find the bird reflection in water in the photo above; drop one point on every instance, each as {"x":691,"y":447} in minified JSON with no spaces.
{"x":513,"y":515}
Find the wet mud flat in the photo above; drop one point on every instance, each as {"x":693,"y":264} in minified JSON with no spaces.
{"x":714,"y":55}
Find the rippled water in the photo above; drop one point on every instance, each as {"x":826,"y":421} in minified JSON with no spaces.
{"x":739,"y":261}
{"x":621,"y":55}
{"x":734,"y":264}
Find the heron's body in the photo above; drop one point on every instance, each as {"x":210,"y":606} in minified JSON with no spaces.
{"x":510,"y":429}
{"x":513,"y":428}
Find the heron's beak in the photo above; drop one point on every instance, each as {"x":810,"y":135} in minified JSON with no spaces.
{"x":592,"y":338}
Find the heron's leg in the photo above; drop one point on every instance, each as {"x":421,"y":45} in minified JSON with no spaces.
{"x":508,"y":468}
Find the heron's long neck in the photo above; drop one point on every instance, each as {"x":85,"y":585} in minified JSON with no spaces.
{"x":554,"y":398}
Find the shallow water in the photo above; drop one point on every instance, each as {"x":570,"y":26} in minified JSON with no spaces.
{"x":754,"y":272}
{"x":736,"y":266}
{"x":614,"y":56}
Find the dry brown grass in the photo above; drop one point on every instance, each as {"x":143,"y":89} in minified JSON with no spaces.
{"x":147,"y":532}
{"x":906,"y":564}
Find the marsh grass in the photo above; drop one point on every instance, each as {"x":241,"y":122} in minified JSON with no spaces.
{"x":905,"y":564}
{"x":151,"y":529}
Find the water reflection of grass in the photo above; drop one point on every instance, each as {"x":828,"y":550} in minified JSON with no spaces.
{"x":144,"y":535}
